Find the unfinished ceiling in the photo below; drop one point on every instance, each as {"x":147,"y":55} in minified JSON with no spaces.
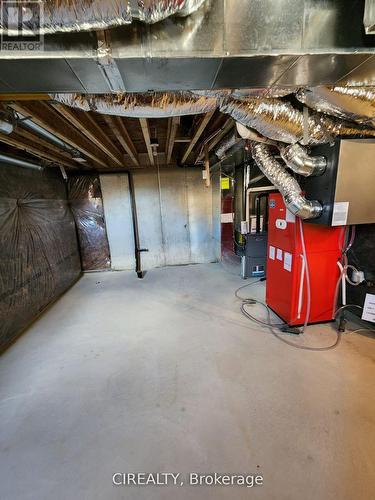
{"x":107,"y":143}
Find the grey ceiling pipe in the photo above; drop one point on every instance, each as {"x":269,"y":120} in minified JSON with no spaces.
{"x":297,"y":159}
{"x":17,"y":162}
{"x":285,"y":183}
{"x":34,"y":127}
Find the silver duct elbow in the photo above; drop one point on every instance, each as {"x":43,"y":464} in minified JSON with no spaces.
{"x":285,"y":183}
{"x":297,"y":159}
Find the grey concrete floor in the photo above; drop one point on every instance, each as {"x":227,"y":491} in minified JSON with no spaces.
{"x":166,"y":375}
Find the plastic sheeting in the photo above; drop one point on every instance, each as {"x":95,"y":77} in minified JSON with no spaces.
{"x":39,"y":256}
{"x":86,"y":202}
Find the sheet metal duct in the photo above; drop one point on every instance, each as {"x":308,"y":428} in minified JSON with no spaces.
{"x":348,"y":103}
{"x":285,"y":183}
{"x":242,"y":44}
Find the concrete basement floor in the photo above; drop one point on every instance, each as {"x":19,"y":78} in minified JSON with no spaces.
{"x":166,"y":375}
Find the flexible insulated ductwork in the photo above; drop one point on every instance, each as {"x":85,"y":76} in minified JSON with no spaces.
{"x":153,"y":11}
{"x":66,"y":16}
{"x":285,"y":183}
{"x":272,"y":118}
{"x":148,"y":105}
{"x":275,"y":119}
{"x":228,"y":142}
{"x":348,"y":103}
{"x":297,"y":159}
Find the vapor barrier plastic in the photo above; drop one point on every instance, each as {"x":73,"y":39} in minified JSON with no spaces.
{"x":39,"y":256}
{"x":85,"y":197}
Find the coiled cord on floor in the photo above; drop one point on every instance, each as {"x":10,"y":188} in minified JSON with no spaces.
{"x":275,"y":328}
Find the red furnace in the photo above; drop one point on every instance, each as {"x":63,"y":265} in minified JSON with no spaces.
{"x":287,"y":292}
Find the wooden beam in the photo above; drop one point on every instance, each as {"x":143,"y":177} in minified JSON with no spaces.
{"x":182,"y":139}
{"x":24,"y":145}
{"x":207,"y":166}
{"x":86,"y":124}
{"x":48,"y":118}
{"x":175,"y":122}
{"x":25,"y":97}
{"x":118,"y":127}
{"x":146,"y":136}
{"x":197,"y":134}
{"x":228,"y":125}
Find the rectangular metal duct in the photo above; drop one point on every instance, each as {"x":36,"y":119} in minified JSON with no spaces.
{"x":242,"y":43}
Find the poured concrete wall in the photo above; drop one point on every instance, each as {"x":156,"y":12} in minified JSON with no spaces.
{"x":176,"y":215}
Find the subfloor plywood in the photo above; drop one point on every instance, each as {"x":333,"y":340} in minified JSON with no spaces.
{"x":165,"y":374}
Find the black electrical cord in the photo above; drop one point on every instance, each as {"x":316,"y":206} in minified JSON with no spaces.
{"x":272,"y":326}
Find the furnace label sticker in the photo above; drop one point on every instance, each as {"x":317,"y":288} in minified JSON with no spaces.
{"x":340,"y":213}
{"x":226,"y":218}
{"x":288,"y":258}
{"x":279,"y":254}
{"x":369,"y":308}
{"x":272,"y":252}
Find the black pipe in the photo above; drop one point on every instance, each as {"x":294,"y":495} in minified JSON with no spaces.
{"x":137,"y":246}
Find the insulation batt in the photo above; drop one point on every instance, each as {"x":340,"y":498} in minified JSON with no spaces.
{"x":85,"y":198}
{"x":39,"y":256}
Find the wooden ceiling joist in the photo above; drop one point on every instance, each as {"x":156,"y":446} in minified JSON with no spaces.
{"x":118,"y":127}
{"x":172,"y":130}
{"x":197,"y":134}
{"x":86,"y":124}
{"x":222,"y":132}
{"x":24,"y":97}
{"x":51,"y":120}
{"x":146,"y":136}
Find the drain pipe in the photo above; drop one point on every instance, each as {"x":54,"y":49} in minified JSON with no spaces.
{"x":17,"y":162}
{"x":137,"y":246}
{"x":285,"y":183}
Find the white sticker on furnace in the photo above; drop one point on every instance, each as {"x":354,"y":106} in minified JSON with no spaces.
{"x":279,"y":254}
{"x":272,"y":252}
{"x":288,"y":258}
{"x":340,"y":213}
{"x":369,"y":308}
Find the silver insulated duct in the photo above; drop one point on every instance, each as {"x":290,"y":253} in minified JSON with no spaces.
{"x":285,"y":183}
{"x":348,"y":103}
{"x":68,"y":16}
{"x":297,"y":159}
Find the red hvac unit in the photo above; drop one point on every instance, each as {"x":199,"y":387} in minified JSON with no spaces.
{"x":286,"y":292}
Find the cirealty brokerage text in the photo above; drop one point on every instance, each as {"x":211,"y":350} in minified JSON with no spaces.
{"x":190,"y":479}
